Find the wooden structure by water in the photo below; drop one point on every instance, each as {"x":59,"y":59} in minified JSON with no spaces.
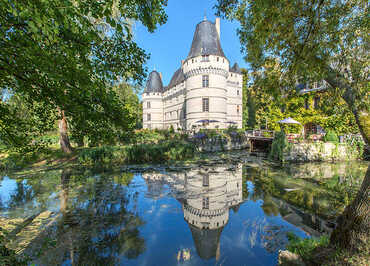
{"x":260,"y":140}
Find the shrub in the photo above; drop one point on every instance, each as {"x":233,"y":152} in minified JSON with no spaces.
{"x":279,"y":145}
{"x":98,"y":155}
{"x":331,"y":136}
{"x":137,"y":153}
{"x":304,"y":247}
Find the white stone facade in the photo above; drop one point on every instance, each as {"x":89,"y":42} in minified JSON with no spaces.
{"x":205,"y":88}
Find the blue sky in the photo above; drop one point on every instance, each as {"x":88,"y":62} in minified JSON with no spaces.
{"x":170,"y":43}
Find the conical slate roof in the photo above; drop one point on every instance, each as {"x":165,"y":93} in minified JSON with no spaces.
{"x":235,"y":69}
{"x":154,"y":83}
{"x":177,"y":78}
{"x":206,"y":241}
{"x":206,"y":40}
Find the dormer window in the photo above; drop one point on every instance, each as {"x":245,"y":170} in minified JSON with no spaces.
{"x":205,"y":58}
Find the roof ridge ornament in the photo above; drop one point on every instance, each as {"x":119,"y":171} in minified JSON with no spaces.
{"x":205,"y":15}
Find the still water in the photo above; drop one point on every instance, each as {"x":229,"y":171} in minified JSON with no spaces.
{"x":210,"y":214}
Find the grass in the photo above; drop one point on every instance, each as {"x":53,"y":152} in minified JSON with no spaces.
{"x":318,"y":251}
{"x":49,"y":156}
{"x":165,"y":151}
{"x":304,"y":246}
{"x":137,"y":153}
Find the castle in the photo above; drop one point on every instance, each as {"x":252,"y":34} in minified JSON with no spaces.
{"x":206,"y":196}
{"x":204,"y":92}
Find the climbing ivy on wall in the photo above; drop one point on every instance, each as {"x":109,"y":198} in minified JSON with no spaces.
{"x":265,"y":110}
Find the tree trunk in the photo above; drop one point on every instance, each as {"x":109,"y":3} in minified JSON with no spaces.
{"x":353,"y":226}
{"x":65,"y":145}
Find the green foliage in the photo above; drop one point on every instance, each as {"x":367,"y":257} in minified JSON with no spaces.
{"x":279,"y":145}
{"x":165,"y":151}
{"x":331,"y":136}
{"x":96,"y":156}
{"x":11,"y":160}
{"x":308,"y":42}
{"x":67,"y":65}
{"x":171,"y":130}
{"x":8,"y":256}
{"x":304,"y":247}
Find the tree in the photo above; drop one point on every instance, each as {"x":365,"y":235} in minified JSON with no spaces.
{"x":315,"y":40}
{"x":65,"y":54}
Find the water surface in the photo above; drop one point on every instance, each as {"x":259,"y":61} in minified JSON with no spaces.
{"x":212,"y":214}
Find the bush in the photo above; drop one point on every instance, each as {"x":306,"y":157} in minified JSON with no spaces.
{"x":304,"y":247}
{"x":331,"y":136}
{"x":138,"y":153}
{"x":279,"y":145}
{"x":98,"y":155}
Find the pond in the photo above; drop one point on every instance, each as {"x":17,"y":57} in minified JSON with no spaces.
{"x":205,"y":214}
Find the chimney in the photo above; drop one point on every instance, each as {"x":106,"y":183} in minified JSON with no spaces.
{"x":182,"y":62}
{"x":218,"y":27}
{"x":160,"y":74}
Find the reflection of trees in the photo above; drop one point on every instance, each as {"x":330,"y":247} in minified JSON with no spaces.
{"x":311,"y":190}
{"x":95,"y":227}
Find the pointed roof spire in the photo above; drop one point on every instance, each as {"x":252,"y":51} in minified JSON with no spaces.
{"x":205,"y":15}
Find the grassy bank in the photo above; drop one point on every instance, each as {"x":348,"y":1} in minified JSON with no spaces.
{"x":165,"y":151}
{"x":318,"y":251}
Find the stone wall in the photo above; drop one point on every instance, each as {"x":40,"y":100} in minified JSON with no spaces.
{"x":222,"y":144}
{"x":320,"y":151}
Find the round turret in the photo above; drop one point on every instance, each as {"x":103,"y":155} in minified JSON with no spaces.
{"x":154,"y":83}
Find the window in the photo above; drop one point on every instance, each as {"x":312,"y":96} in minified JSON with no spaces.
{"x":205,"y":81}
{"x":192,"y":60}
{"x":205,"y":58}
{"x":238,"y":109}
{"x":148,"y":105}
{"x":205,"y":180}
{"x":205,"y":203}
{"x":237,"y":92}
{"x":205,"y":104}
{"x":148,"y":117}
{"x":218,"y":59}
{"x":316,"y":101}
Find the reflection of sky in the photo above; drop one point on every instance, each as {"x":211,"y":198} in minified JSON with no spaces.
{"x":244,"y":238}
{"x":250,"y":236}
{"x":7,"y":188}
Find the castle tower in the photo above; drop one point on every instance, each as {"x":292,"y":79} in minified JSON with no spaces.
{"x":205,"y":91}
{"x":153,"y":102}
{"x":206,"y":70}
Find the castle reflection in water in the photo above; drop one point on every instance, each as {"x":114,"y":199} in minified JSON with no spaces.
{"x":206,"y":196}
